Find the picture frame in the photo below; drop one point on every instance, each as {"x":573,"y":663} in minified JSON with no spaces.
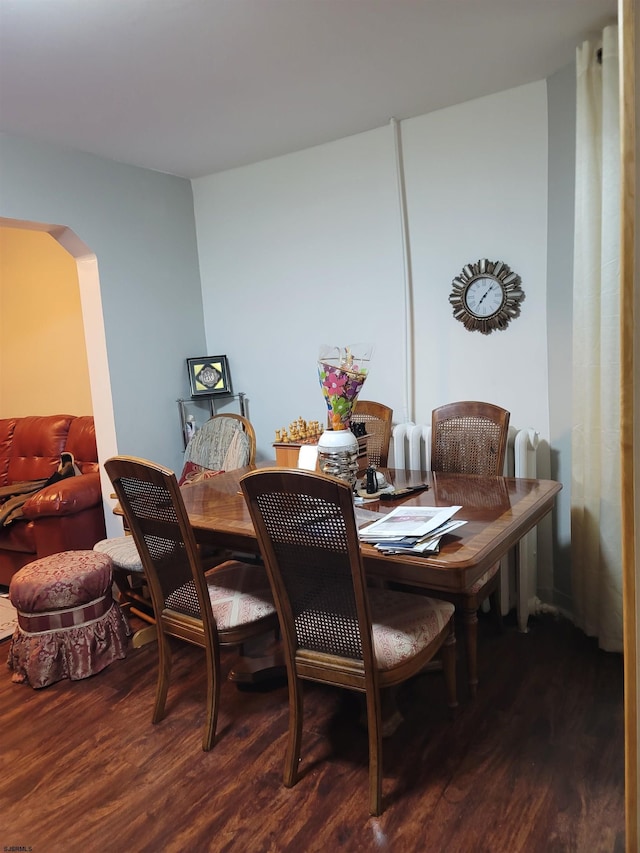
{"x":209,"y":375}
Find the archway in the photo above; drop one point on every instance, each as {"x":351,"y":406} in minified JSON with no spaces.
{"x":95,"y":342}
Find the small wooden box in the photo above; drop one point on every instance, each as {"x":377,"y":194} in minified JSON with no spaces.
{"x":287,"y":453}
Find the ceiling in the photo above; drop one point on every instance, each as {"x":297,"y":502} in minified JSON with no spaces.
{"x":193,"y":87}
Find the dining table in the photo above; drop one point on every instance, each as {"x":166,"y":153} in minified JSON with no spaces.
{"x":498,"y":512}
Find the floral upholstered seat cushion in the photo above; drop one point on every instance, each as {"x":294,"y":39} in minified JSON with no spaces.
{"x":239,"y":594}
{"x":403,"y":624}
{"x":123,"y":553}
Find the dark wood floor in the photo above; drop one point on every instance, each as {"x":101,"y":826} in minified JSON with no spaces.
{"x":535,"y":763}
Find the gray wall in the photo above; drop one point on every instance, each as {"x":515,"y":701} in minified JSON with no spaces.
{"x":140,"y":224}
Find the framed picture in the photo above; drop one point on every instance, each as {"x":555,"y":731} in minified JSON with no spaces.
{"x":208,"y":375}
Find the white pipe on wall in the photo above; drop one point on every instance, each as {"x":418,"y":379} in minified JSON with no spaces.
{"x":409,"y":391}
{"x":524,"y":457}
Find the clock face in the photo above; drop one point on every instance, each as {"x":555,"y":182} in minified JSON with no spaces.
{"x":483,"y":296}
{"x":486,"y":296}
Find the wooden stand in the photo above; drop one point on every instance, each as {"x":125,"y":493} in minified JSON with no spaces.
{"x":287,"y":452}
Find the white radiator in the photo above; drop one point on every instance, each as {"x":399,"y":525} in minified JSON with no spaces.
{"x":411,"y":449}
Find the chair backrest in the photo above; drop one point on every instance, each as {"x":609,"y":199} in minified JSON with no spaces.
{"x":469,"y":437}
{"x":308,"y":539}
{"x":222,"y":443}
{"x":155,"y":513}
{"x":377,"y":419}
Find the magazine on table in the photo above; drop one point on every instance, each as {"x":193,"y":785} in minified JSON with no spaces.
{"x":423,"y":547}
{"x":406,"y":521}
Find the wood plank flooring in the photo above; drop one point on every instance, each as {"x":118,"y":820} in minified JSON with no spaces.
{"x":535,"y":763}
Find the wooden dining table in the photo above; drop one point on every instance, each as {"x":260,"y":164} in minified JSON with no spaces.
{"x":498,"y":512}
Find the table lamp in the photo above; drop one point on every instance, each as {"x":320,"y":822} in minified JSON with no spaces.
{"x":342,"y":372}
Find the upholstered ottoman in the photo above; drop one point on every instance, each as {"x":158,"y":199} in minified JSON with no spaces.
{"x":68,"y":624}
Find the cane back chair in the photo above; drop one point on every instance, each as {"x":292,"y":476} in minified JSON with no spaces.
{"x":224,"y":606}
{"x":335,"y":629}
{"x":224,"y":442}
{"x":470,"y":437}
{"x":377,"y":419}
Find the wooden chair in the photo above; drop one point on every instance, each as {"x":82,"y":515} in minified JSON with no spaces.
{"x":128,"y":575}
{"x":225,"y":606}
{"x":223,"y":443}
{"x":471,"y":438}
{"x":377,"y":419}
{"x":335,"y":629}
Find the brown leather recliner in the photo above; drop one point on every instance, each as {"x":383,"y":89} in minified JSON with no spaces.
{"x":65,"y":516}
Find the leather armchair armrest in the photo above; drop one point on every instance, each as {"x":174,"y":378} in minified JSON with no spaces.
{"x":66,"y":497}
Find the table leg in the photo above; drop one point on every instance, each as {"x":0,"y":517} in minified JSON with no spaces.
{"x":261,"y":660}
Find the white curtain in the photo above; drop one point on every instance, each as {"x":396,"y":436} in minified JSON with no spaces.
{"x":595,"y":497}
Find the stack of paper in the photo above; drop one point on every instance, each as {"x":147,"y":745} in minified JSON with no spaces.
{"x":413,"y":530}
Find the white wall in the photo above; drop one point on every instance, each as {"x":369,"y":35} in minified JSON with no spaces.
{"x":296,"y":252}
{"x":306,"y":249}
{"x":476,"y":178}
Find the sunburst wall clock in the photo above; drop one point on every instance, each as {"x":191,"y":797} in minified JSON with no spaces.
{"x":486,"y":296}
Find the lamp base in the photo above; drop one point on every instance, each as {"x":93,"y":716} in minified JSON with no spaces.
{"x":338,"y":455}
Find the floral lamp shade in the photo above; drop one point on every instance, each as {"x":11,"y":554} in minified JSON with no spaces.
{"x":342,"y":372}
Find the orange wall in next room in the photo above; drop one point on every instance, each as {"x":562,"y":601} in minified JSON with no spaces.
{"x":43,"y":358}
